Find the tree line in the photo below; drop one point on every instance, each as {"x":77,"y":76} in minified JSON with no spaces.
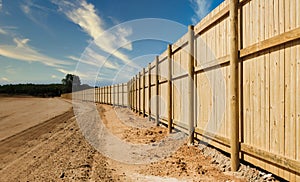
{"x":69,"y":83}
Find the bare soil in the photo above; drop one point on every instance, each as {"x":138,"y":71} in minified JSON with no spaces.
{"x":55,"y":150}
{"x":20,"y":113}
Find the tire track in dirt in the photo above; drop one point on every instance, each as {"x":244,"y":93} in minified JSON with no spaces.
{"x":19,"y":144}
{"x":55,"y":151}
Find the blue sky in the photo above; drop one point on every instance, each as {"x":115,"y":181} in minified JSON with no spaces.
{"x":43,"y":40}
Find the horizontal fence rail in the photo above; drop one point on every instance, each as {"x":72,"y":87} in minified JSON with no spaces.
{"x":196,"y":79}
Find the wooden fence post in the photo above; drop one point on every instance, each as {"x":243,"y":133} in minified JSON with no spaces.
{"x":106,"y":95}
{"x":136,"y":94}
{"x":101,"y":93}
{"x":157,"y":91}
{"x":97,"y":95}
{"x":131,"y":97}
{"x":128,"y":94}
{"x":144,"y":93}
{"x":113,"y":94}
{"x":139,"y":90}
{"x":123,"y":95}
{"x":149,"y":92}
{"x":234,"y":104}
{"x":110,"y":94}
{"x":132,"y":93}
{"x":117,"y":94}
{"x":169,"y":89}
{"x":190,"y":89}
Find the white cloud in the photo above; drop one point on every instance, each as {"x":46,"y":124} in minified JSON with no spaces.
{"x":23,"y":52}
{"x":5,"y":79}
{"x":81,"y":75}
{"x":201,"y":8}
{"x":3,"y":31}
{"x":95,"y":60}
{"x":36,"y":13}
{"x":84,"y":15}
{"x":0,"y":5}
{"x":53,"y":76}
{"x":25,"y":9}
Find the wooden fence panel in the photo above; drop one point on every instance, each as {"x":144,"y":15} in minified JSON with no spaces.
{"x":269,"y":84}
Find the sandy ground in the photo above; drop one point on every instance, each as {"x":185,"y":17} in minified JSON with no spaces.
{"x":56,"y":150}
{"x":20,"y":113}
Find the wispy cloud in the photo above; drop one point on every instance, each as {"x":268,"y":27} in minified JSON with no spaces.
{"x":36,"y":13}
{"x":201,"y":8}
{"x":10,"y":70}
{"x":0,"y":5}
{"x":26,"y":9}
{"x":85,"y":16}
{"x":2,"y":31}
{"x":23,"y":52}
{"x":81,"y":75}
{"x":5,"y":79}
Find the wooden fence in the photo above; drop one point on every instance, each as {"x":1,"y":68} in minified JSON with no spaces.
{"x":268,"y":84}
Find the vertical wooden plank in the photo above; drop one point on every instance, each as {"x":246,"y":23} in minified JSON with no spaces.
{"x":298,"y":97}
{"x":101,"y":95}
{"x":262,"y":80}
{"x":107,"y":87}
{"x":110,"y":95}
{"x":287,"y":89}
{"x":122,"y":93}
{"x":169,"y":89}
{"x":149,"y":92}
{"x":136,"y":93}
{"x":118,"y":95}
{"x":144,"y":93}
{"x":131,"y":94}
{"x":294,"y":93}
{"x":98,"y":94}
{"x":157,"y":91}
{"x":267,"y":85}
{"x":95,"y":95}
{"x":298,"y":90}
{"x":281,"y":29}
{"x":140,"y":93}
{"x":273,"y":91}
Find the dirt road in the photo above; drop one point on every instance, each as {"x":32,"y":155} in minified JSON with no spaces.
{"x":20,"y":113}
{"x":55,"y":150}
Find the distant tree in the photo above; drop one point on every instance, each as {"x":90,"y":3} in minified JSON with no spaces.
{"x":71,"y":81}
